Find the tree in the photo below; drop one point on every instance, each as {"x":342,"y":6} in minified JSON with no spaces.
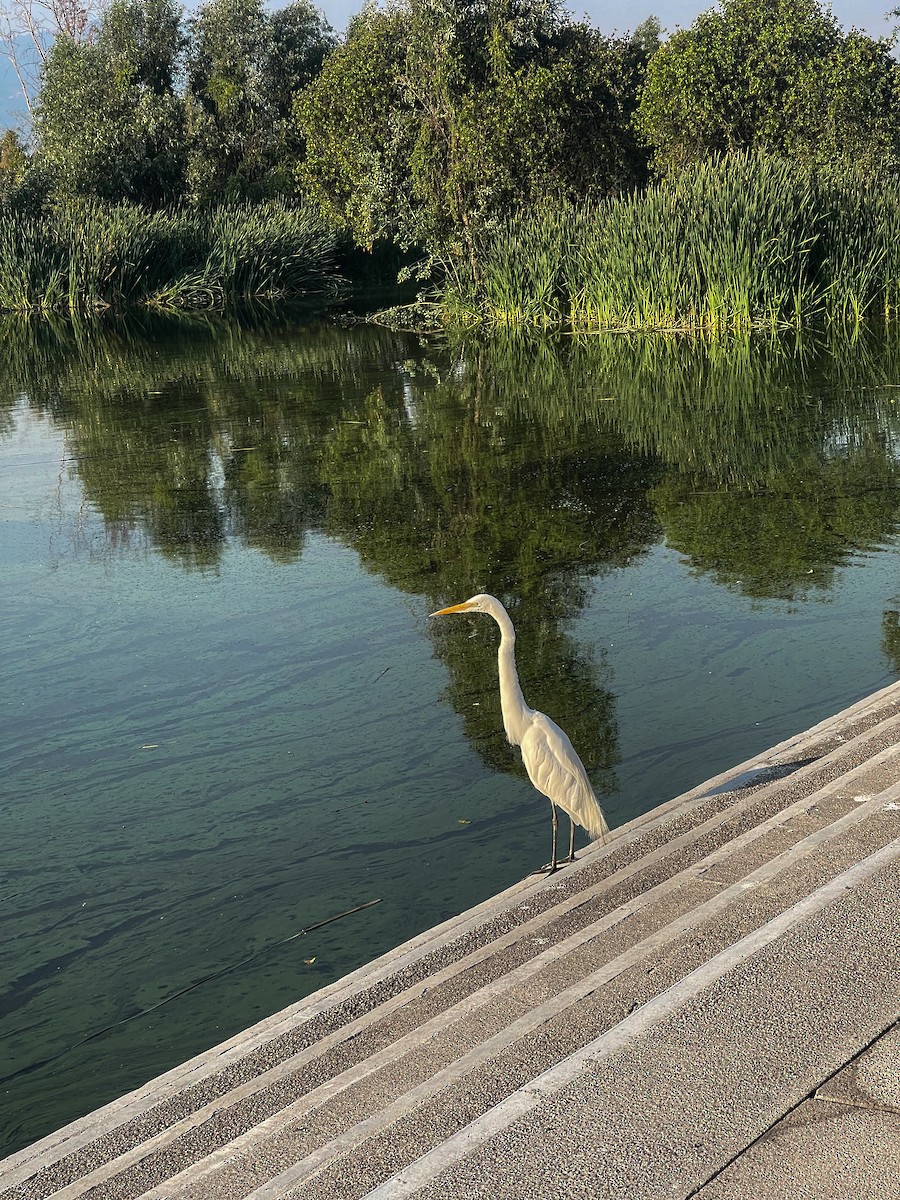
{"x":436,"y":116}
{"x":108,"y":124}
{"x":145,"y":40}
{"x":244,"y":67}
{"x":358,"y":133}
{"x":13,"y":164}
{"x":28,"y":29}
{"x":777,"y":75}
{"x":648,"y":36}
{"x":847,"y":107}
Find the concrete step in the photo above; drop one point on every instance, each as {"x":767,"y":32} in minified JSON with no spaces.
{"x":842,"y":1140}
{"x":548,"y":1017}
{"x":665,"y":1104}
{"x":427,"y":1024}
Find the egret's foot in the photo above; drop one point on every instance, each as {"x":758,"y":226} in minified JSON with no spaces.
{"x":549,"y":868}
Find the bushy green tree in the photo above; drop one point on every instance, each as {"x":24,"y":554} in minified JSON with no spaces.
{"x":777,"y":75}
{"x":108,"y":124}
{"x":145,"y":40}
{"x":358,"y":133}
{"x":436,"y":116}
{"x":13,"y":163}
{"x":23,"y":184}
{"x":244,"y":67}
{"x":848,"y":107}
{"x":29,"y":27}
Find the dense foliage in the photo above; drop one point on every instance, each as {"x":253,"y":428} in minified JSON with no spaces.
{"x":157,"y":111}
{"x":79,"y":257}
{"x":775,"y":75}
{"x":434,"y":118}
{"x":108,"y":124}
{"x":244,"y":67}
{"x":745,"y":241}
{"x":505,"y":148}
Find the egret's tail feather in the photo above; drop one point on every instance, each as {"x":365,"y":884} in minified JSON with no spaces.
{"x":589,"y":814}
{"x":598,"y":828}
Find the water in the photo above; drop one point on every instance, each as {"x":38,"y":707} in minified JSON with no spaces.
{"x":226,"y":716}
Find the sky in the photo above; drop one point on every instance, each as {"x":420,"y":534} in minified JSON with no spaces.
{"x":621,"y":16}
{"x":610,"y":16}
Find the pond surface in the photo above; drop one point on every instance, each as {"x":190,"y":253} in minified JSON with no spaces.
{"x":226,"y":717}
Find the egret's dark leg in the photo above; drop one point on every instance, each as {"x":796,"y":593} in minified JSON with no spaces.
{"x":571,"y":857}
{"x":552,"y":865}
{"x":555,"y":834}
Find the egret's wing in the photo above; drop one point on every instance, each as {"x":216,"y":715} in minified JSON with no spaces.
{"x":556,"y":770}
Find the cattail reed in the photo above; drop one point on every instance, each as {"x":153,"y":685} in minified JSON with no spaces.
{"x":743,"y":242}
{"x":89,"y":257}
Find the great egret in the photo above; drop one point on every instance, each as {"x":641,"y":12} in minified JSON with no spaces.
{"x":549,"y":757}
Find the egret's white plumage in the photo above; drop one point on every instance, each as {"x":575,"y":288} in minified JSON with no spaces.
{"x":549,"y":757}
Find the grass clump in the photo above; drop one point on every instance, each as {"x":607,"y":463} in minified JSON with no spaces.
{"x":744,"y":242}
{"x":83,"y":258}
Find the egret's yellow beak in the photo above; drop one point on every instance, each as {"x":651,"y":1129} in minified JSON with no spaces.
{"x":454,"y":608}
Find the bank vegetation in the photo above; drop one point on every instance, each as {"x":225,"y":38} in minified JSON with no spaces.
{"x":524,"y":168}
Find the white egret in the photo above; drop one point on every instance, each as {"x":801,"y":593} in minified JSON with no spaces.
{"x":549,"y":757}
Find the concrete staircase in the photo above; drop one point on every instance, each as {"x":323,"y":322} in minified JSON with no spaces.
{"x":630,"y":1027}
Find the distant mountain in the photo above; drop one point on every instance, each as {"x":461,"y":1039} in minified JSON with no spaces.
{"x":12,"y":107}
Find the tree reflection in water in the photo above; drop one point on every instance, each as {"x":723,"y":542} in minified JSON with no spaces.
{"x":521,"y":468}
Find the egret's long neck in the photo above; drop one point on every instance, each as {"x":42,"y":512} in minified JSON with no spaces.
{"x":516,"y":712}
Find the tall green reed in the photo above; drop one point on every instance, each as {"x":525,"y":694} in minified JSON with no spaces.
{"x":522,"y":287}
{"x":744,"y":242}
{"x":860,"y":246}
{"x":261,"y":250}
{"x":82,"y":258}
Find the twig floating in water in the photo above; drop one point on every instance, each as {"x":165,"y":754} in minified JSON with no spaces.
{"x":337,"y":917}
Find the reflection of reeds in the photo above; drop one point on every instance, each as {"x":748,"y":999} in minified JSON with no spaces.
{"x":84,"y":258}
{"x":122,"y":358}
{"x":734,"y":411}
{"x":745,"y":242}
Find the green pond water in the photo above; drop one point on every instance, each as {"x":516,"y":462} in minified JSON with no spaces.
{"x":226,"y":716}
